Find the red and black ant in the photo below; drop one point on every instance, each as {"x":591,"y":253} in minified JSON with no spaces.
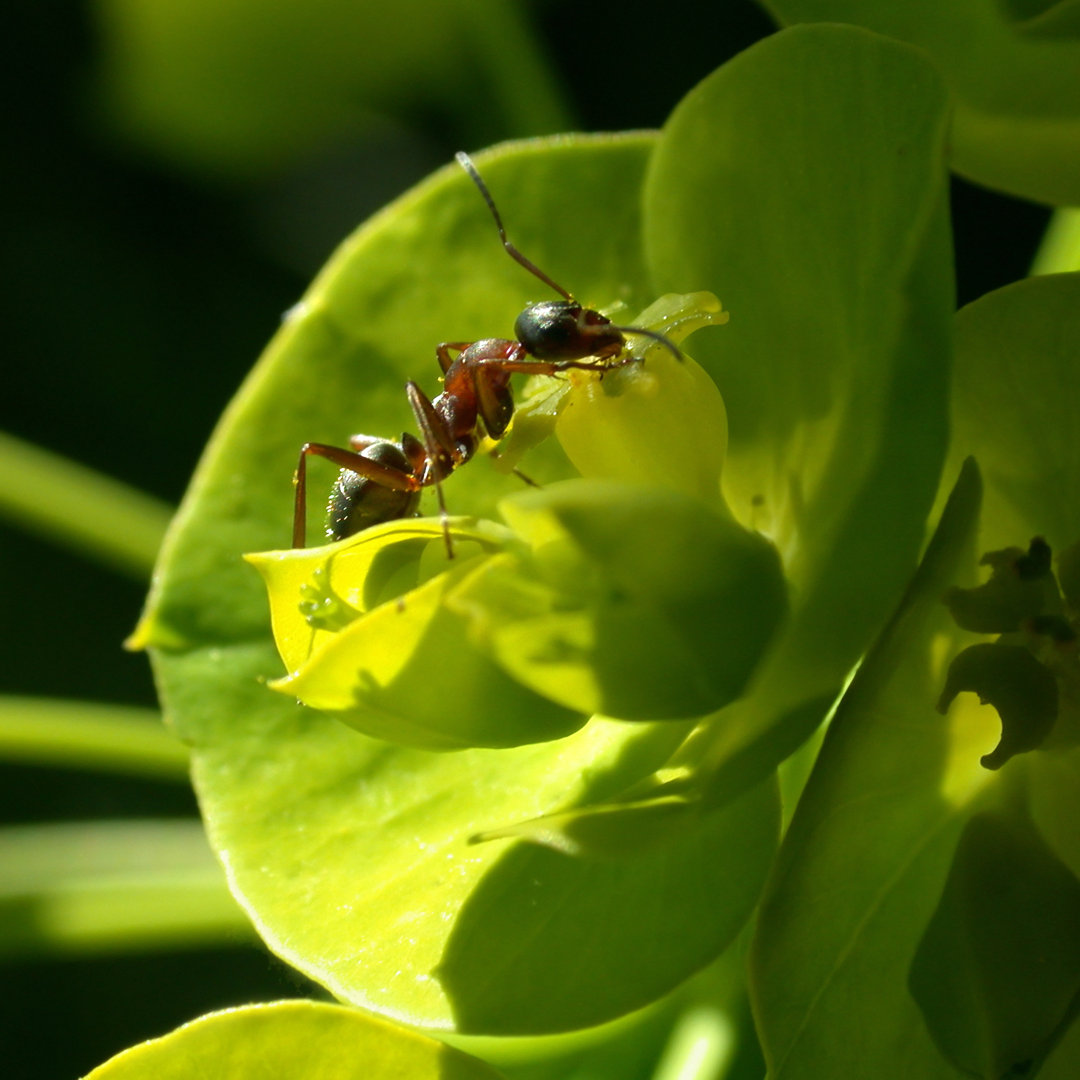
{"x":381,"y":480}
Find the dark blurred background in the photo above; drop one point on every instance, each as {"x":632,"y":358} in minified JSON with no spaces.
{"x":176,"y":172}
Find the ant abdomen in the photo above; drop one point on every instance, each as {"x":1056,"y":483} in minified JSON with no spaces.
{"x":357,"y":503}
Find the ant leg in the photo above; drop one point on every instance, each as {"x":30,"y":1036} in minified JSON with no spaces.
{"x":345,"y":459}
{"x":439,"y":448}
{"x":494,"y":455}
{"x":525,"y":479}
{"x":528,"y":366}
{"x":489,"y":381}
{"x":601,"y":365}
{"x":442,"y":353}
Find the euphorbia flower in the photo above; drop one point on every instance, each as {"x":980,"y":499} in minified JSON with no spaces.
{"x":636,"y":595}
{"x":804,"y":184}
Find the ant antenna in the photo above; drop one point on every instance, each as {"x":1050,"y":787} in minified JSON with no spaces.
{"x":465,"y":162}
{"x":656,"y":336}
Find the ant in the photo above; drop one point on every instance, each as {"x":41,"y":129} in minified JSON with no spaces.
{"x":381,"y":480}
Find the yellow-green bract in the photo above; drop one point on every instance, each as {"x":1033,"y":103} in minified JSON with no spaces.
{"x":632,"y":593}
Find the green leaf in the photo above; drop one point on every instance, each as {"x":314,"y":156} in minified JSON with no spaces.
{"x":1013,"y":69}
{"x":638,"y":603}
{"x":359,"y":871}
{"x":353,"y":855}
{"x":292,"y":1038}
{"x":867,"y":852}
{"x":1017,"y":389}
{"x":997,"y":972}
{"x":700,"y":882}
{"x":804,"y":183}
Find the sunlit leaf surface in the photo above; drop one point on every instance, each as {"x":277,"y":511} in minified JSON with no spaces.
{"x":353,"y":855}
{"x":1013,"y":68}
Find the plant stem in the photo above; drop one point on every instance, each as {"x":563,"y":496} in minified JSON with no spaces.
{"x":701,"y":1046}
{"x":112,"y":886}
{"x":73,"y":505}
{"x":108,"y":738}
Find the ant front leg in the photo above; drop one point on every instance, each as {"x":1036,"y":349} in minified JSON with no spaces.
{"x":521,"y":363}
{"x":383,"y":471}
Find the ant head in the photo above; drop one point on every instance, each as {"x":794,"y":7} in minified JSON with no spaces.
{"x":564,"y":330}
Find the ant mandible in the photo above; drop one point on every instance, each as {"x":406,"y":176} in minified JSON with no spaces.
{"x":381,"y":480}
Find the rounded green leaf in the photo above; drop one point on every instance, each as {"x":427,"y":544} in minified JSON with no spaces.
{"x":1015,"y":402}
{"x":636,"y":602}
{"x":704,"y":880}
{"x":1014,"y":72}
{"x":292,"y":1039}
{"x":1016,"y":398}
{"x":353,"y":855}
{"x":358,"y":867}
{"x":804,"y":183}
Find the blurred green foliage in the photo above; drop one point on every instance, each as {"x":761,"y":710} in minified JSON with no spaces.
{"x":182,"y":169}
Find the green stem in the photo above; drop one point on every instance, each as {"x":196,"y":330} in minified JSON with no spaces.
{"x":76,"y":506}
{"x":701,"y":1047}
{"x":112,"y":886}
{"x":109,"y":738}
{"x":1060,"y":248}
